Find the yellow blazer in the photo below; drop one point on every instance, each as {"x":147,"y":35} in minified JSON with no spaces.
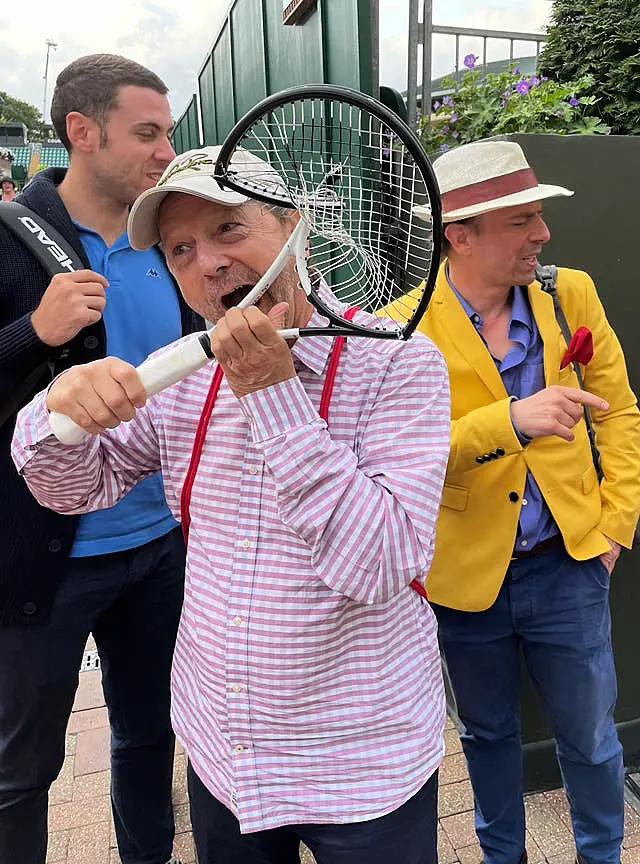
{"x":479,"y":513}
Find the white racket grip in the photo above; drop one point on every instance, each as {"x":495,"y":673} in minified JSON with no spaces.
{"x":156,"y":374}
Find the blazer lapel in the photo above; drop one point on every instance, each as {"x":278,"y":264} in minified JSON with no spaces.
{"x":448,"y":313}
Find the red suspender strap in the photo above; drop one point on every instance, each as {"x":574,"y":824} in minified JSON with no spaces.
{"x":332,"y":368}
{"x":205,"y":417}
{"x":196,"y":453}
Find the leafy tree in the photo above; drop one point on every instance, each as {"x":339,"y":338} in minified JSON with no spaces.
{"x":600,"y":38}
{"x":14,"y":110}
{"x":504,"y":103}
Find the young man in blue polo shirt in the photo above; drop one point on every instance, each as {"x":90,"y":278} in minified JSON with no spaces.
{"x":118,"y":573}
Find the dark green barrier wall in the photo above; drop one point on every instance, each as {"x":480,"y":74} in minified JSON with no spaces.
{"x":597,"y":231}
{"x":186,"y":133}
{"x":254,"y":55}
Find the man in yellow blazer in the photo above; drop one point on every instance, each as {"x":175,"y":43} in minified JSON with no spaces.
{"x":527,"y":536}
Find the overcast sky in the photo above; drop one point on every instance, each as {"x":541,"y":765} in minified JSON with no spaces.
{"x":173,"y":36}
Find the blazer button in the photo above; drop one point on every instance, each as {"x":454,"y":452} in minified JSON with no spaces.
{"x":55,"y":545}
{"x":29,"y":608}
{"x":499,"y":451}
{"x":513,"y":496}
{"x":91,"y":342}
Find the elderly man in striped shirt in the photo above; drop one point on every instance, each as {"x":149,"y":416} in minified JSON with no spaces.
{"x":307,"y":687}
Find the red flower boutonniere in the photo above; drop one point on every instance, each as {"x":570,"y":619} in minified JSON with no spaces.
{"x":580,"y":348}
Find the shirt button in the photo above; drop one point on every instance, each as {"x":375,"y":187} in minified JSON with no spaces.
{"x":236,"y":688}
{"x":246,"y":544}
{"x":239,"y":748}
{"x":29,"y":608}
{"x":91,"y":342}
{"x":237,"y":620}
{"x":524,"y":502}
{"x":55,"y":545}
{"x":253,"y":470}
{"x":524,"y":543}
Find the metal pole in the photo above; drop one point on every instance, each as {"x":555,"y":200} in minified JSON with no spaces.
{"x":412,"y":64}
{"x":50,"y":44}
{"x":427,"y":54}
{"x":375,"y":48}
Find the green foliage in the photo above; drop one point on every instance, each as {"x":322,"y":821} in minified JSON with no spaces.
{"x":16,"y":111}
{"x":504,"y":103}
{"x":600,"y":38}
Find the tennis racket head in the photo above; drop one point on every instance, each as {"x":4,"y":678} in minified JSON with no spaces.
{"x":360,"y":179}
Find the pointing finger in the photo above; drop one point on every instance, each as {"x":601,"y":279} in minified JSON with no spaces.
{"x":586,"y":398}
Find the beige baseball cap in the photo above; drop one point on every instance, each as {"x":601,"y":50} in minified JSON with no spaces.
{"x":192,"y":173}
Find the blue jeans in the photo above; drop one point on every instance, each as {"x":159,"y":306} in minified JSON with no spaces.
{"x":131,"y":601}
{"x":408,"y":835}
{"x":556,"y":611}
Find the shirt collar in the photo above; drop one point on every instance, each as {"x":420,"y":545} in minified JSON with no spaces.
{"x":121,"y":242}
{"x":520,"y":310}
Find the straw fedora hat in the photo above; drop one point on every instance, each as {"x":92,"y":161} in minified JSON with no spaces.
{"x":486,"y":175}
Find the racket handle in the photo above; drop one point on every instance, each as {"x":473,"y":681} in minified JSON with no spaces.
{"x":65,"y":429}
{"x":156,"y":374}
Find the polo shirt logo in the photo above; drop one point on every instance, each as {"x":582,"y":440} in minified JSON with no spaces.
{"x":153,"y":272}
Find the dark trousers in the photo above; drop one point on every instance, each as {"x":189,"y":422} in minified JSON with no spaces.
{"x":131,"y":601}
{"x":554,"y":611}
{"x":408,"y":835}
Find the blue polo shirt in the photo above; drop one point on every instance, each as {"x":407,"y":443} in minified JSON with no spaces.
{"x":142,"y":314}
{"x":522,"y":372}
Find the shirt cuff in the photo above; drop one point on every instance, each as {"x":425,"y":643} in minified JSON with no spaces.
{"x":522,"y":438}
{"x":278,"y":409}
{"x":32,"y":429}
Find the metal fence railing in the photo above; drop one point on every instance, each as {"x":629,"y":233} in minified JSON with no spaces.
{"x":422,"y":33}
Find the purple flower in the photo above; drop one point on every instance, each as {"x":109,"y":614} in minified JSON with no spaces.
{"x":386,"y":151}
{"x":470,"y":61}
{"x":534,"y":81}
{"x":544,"y":78}
{"x":437,"y":106}
{"x":443,"y":148}
{"x":454,"y":117}
{"x":445,"y":130}
{"x":455,"y":134}
{"x":516,"y":71}
{"x":448,"y":102}
{"x":522,"y":86}
{"x":573,"y":102}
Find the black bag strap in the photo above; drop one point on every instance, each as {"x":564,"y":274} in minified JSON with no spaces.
{"x":547,"y":276}
{"x":55,"y":255}
{"x":44,"y":242}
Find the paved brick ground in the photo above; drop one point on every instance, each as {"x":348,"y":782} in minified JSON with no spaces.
{"x":80,"y":829}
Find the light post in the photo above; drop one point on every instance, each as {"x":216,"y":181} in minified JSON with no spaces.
{"x":50,"y":44}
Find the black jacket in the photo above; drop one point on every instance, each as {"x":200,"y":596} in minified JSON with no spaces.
{"x":36,"y":541}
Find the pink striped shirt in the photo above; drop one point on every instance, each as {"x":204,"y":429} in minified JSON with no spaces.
{"x":306,"y":680}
